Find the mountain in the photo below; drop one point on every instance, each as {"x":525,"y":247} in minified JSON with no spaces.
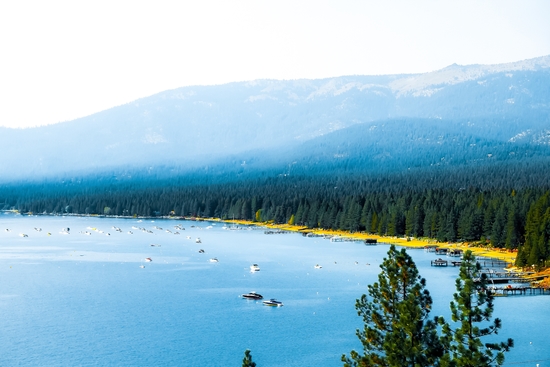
{"x":460,"y":114}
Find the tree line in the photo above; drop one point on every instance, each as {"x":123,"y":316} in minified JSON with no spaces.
{"x":505,"y":218}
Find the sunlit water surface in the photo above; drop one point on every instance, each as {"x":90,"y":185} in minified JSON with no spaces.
{"x":84,"y":300}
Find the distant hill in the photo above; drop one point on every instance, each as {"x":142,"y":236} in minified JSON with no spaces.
{"x":460,"y":115}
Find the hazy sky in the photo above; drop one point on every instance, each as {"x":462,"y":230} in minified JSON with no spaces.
{"x":66,"y":59}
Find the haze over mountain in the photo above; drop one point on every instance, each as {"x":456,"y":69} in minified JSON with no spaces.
{"x":458,"y":115}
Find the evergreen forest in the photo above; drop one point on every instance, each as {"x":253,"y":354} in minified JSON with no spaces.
{"x":505,"y":207}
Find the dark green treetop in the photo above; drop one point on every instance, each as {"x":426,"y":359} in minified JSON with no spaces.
{"x":397,"y":331}
{"x":247,"y":360}
{"x":472,"y":309}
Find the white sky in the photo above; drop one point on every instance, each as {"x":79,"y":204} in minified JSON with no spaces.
{"x":61,"y":60}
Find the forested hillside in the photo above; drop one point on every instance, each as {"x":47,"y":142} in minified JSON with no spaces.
{"x":505,"y":206}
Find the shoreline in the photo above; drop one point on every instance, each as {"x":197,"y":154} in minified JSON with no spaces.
{"x":411,"y":242}
{"x":416,"y":243}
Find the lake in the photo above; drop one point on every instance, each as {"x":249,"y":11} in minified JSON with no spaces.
{"x":92,"y":299}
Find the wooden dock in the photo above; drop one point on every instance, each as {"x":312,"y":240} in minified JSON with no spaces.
{"x":454,"y":253}
{"x":441,"y":251}
{"x":276,"y":232}
{"x":521,"y":291}
{"x":439,"y":262}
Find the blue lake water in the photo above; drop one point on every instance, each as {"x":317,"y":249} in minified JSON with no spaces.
{"x":83,"y":300}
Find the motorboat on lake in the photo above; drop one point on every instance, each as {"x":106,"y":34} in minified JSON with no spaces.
{"x":254,"y":267}
{"x":214,"y":260}
{"x":317,"y":266}
{"x":198,"y":240}
{"x":148,"y":259}
{"x":273,"y":303}
{"x":252,"y":295}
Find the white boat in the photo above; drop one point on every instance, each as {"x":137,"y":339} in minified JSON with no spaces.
{"x":23,"y":235}
{"x":254,"y":267}
{"x":142,"y":266}
{"x":198,"y":240}
{"x":317,"y":266}
{"x":213,"y":260}
{"x":148,"y":259}
{"x":273,"y":303}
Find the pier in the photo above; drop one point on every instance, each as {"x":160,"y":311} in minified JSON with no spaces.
{"x":343,"y":239}
{"x":522,"y":291}
{"x":276,"y":232}
{"x":486,"y":262}
{"x":439,"y":262}
{"x":454,"y":253}
{"x":441,"y":251}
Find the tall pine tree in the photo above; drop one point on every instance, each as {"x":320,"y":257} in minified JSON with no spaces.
{"x":397,"y":330}
{"x":473,"y":307}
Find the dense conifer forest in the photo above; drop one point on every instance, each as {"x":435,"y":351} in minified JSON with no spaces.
{"x":501,"y":206}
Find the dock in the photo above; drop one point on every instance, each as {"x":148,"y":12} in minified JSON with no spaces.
{"x":311,"y":234}
{"x":439,"y":262}
{"x":276,"y":232}
{"x":343,"y":239}
{"x":522,"y":291}
{"x":441,"y":251}
{"x":454,"y":253}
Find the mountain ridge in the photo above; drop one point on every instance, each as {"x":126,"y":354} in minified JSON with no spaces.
{"x":198,"y":125}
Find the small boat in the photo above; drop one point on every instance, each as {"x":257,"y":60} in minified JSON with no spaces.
{"x":252,"y":295}
{"x":201,"y":251}
{"x":273,"y":303}
{"x":142,"y":266}
{"x":254,"y":267}
{"x":317,"y":266}
{"x":213,"y":260}
{"x":148,"y":259}
{"x":198,"y":240}
{"x":23,"y":235}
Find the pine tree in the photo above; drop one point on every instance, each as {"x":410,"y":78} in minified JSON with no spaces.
{"x":472,"y":306}
{"x":247,"y":360}
{"x":397,"y":331}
